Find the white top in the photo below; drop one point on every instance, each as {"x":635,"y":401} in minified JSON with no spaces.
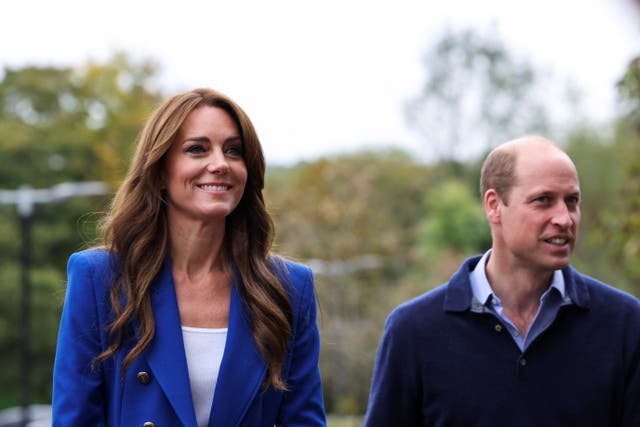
{"x":204,"y":348}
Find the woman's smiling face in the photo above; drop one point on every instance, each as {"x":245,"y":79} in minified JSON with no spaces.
{"x":205,"y":173}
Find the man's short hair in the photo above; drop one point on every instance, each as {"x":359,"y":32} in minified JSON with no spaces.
{"x":498,"y":172}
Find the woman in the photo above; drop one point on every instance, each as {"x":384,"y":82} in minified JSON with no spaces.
{"x":183,"y":317}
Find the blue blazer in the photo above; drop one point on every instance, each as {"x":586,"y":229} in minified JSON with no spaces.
{"x":156,"y":388}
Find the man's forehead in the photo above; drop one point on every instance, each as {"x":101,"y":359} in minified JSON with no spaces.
{"x":550,"y":187}
{"x":541,"y":165}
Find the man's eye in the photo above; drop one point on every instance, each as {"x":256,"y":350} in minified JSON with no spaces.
{"x":573,"y":200}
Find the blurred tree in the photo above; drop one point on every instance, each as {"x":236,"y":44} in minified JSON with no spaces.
{"x":352,"y":218}
{"x":59,"y":124}
{"x":626,"y":224}
{"x":476,"y":95}
{"x":601,"y":183}
{"x":59,"y":120}
{"x":629,"y":92}
{"x":341,"y":208}
{"x":455,"y":222}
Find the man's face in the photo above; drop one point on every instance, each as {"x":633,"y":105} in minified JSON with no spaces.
{"x":538,"y":228}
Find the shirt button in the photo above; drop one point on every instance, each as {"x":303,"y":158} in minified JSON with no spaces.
{"x":498,"y":327}
{"x":148,"y":424}
{"x":144,"y":378}
{"x":523,"y":361}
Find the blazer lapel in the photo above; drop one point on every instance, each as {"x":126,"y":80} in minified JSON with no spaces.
{"x":165,"y":354}
{"x":242,"y":370}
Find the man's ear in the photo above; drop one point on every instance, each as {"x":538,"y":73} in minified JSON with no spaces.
{"x":492,"y":204}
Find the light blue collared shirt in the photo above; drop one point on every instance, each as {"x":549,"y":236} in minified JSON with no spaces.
{"x":484,"y":300}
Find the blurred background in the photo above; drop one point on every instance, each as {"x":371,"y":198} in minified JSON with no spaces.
{"x":374,"y":118}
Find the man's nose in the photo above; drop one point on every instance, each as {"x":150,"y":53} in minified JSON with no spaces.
{"x":562,"y":215}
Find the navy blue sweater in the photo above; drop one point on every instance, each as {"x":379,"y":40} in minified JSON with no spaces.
{"x":441,"y":364}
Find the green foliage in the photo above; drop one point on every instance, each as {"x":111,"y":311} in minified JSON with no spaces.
{"x":601,"y":180}
{"x":455,"y":220}
{"x":59,"y":125}
{"x":625,"y":219}
{"x":9,"y":333}
{"x":329,"y":201}
{"x":352,"y":218}
{"x":629,"y":91}
{"x":73,"y":123}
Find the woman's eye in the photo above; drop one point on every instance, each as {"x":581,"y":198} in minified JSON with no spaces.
{"x":235,"y":150}
{"x":195,"y":149}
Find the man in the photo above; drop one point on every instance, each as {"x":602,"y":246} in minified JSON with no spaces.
{"x":517,"y":337}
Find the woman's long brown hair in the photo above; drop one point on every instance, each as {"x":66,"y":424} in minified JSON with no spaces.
{"x":135,"y":231}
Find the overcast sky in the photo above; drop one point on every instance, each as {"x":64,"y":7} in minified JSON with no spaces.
{"x":318,"y":78}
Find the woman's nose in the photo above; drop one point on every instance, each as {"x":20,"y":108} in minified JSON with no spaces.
{"x":217,"y":163}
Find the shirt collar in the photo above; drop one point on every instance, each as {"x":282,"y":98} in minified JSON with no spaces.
{"x":482,"y":292}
